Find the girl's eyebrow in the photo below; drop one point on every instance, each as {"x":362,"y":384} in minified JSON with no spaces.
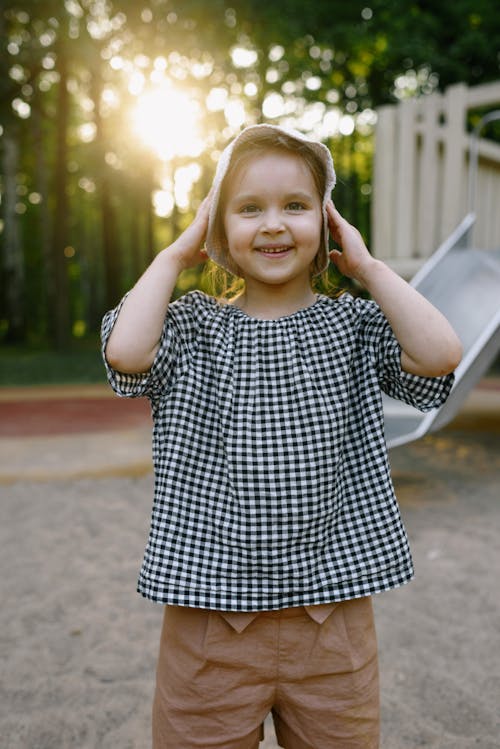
{"x":293,"y":195}
{"x":245,"y":196}
{"x":299,"y":195}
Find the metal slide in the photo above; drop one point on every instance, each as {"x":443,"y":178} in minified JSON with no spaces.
{"x":464,"y":283}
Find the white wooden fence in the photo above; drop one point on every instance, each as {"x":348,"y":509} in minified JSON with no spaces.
{"x":421,"y":171}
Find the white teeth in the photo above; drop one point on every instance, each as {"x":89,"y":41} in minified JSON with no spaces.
{"x":273,"y":250}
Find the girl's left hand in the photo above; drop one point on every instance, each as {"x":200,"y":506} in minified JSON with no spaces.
{"x":187,"y":248}
{"x":354,"y":259}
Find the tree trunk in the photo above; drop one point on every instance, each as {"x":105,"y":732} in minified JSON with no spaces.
{"x":12,"y":260}
{"x":149,"y":225}
{"x":110,"y":247}
{"x":135,"y":247}
{"x":112,"y":258}
{"x":48,"y":290}
{"x":60,"y":312}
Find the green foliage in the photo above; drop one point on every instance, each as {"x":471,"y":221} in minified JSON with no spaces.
{"x":21,"y":365}
{"x":311,"y":65}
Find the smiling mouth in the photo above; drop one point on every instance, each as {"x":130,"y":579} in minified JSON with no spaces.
{"x":275,"y":250}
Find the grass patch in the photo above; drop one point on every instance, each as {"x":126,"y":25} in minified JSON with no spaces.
{"x":80,"y":364}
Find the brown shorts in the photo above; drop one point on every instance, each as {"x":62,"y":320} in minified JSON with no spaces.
{"x":219,"y":675}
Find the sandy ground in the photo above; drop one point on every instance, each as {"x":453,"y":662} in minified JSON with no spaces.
{"x":78,"y":645}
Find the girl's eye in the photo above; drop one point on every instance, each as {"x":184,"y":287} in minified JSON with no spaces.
{"x":295,"y":206}
{"x":250,"y":208}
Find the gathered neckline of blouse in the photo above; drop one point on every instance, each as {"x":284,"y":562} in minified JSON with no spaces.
{"x":320,"y":298}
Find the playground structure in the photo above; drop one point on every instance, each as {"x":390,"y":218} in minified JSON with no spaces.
{"x":434,"y":174}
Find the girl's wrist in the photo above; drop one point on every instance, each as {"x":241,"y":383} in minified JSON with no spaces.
{"x":368,"y":271}
{"x":172,"y":259}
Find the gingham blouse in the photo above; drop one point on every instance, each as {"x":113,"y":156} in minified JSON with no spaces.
{"x":272,"y":484}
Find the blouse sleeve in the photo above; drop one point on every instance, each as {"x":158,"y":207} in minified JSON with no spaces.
{"x":180,"y":329}
{"x":381,"y":345}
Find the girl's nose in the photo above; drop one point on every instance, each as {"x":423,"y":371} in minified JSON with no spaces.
{"x":272,"y":221}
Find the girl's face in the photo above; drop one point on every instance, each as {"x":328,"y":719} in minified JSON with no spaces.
{"x":273,"y":219}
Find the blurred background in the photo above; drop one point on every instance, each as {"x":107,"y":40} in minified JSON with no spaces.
{"x":113,"y":115}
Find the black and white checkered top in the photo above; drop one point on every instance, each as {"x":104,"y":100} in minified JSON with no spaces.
{"x":272,"y":485}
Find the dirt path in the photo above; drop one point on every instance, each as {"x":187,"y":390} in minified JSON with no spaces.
{"x":78,"y":645}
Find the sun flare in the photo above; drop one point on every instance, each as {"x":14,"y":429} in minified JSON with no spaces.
{"x":167,"y":121}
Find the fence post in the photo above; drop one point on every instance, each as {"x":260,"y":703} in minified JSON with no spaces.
{"x":405,"y":179}
{"x":384,"y":190}
{"x":420,"y":175}
{"x":428,"y":202}
{"x":455,"y":101}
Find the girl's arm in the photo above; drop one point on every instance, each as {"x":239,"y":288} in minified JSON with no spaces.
{"x":134,"y":340}
{"x":430,"y":346}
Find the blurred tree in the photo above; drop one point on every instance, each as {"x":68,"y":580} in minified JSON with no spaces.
{"x":11,"y":258}
{"x":113,"y":114}
{"x":60,"y":238}
{"x":379,"y":40}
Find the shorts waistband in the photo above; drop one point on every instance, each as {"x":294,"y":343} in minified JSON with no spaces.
{"x":239,"y":620}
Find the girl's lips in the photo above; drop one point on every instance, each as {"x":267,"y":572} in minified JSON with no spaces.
{"x":274,"y":250}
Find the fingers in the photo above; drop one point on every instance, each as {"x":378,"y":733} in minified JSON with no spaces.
{"x":334,"y":222}
{"x":204,"y":207}
{"x":335,"y":219}
{"x":335,"y":257}
{"x":340,"y":229}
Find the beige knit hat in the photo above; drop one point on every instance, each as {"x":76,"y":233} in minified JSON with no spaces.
{"x":216,"y":245}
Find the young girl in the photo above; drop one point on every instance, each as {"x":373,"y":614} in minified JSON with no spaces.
{"x":274,"y":516}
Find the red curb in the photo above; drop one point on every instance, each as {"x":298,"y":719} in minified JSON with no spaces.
{"x":60,"y":410}
{"x":60,"y":416}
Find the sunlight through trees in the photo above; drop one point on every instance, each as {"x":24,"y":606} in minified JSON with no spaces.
{"x":113,"y":115}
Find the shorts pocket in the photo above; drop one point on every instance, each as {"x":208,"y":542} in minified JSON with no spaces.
{"x":359,"y":630}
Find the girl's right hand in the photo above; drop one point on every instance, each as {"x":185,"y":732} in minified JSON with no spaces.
{"x":134,"y":340}
{"x":188,"y":247}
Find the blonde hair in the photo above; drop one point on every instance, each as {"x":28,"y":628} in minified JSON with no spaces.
{"x":220,"y":283}
{"x":226,"y":287}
